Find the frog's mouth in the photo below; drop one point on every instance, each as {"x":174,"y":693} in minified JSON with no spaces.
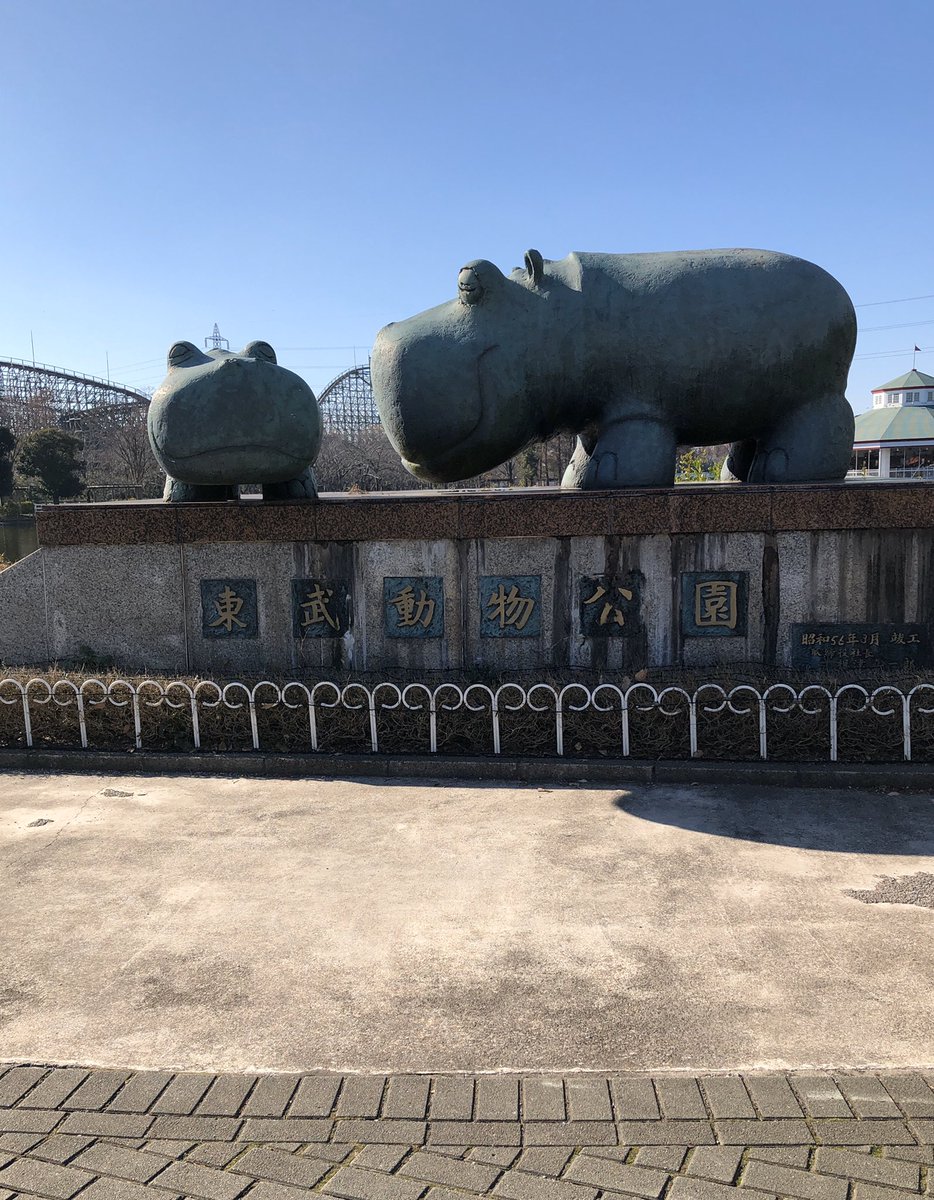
{"x":253,"y":462}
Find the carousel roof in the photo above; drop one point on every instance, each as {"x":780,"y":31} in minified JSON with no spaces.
{"x":911,"y":423}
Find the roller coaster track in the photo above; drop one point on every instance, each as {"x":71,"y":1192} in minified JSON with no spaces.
{"x":35,"y":395}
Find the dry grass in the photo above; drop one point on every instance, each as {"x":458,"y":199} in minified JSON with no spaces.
{"x":796,"y":736}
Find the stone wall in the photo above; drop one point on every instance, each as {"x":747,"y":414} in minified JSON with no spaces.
{"x":527,"y":580}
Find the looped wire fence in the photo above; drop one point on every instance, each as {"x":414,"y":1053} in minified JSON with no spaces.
{"x":551,"y":705}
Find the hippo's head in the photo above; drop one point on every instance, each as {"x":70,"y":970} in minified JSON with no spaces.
{"x":457,"y":386}
{"x":221,"y":418}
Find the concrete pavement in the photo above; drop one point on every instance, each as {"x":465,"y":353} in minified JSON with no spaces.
{"x":250,"y":925}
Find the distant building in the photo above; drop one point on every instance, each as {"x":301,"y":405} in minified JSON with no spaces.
{"x":895,"y":438}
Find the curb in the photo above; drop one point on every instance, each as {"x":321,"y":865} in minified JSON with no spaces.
{"x":865,"y":776}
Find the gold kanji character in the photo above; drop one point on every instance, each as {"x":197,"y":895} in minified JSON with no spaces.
{"x":412,"y":609}
{"x":715,"y":604}
{"x":316,"y":607}
{"x":228,"y":604}
{"x":510,"y":608}
{"x":609,"y":608}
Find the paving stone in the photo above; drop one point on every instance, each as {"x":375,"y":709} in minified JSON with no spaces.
{"x":48,"y":1179}
{"x":761,"y":1133}
{"x":669,"y":1158}
{"x":872,"y":1191}
{"x":276,"y":1191}
{"x":475,"y":1133}
{"x":866,"y":1096}
{"x":277,"y":1167}
{"x":28,"y":1120}
{"x":493,"y":1156}
{"x":918,"y":1154}
{"x":820,"y":1096}
{"x":867,"y":1167}
{"x":910,"y":1093}
{"x":616,"y":1153}
{"x":680,"y":1097}
{"x":451,"y":1098}
{"x":170,"y":1147}
{"x":285,"y":1129}
{"x":352,"y":1184}
{"x":182,"y":1095}
{"x":497,"y":1098}
{"x":380,"y":1157}
{"x":588,"y":1099}
{"x":205,"y":1182}
{"x":55,"y":1088}
{"x":617,"y":1177}
{"x":60,"y":1148}
{"x":17,"y":1082}
{"x":140,"y":1091}
{"x":685,"y":1188}
{"x":225,"y":1096}
{"x":863,"y":1133}
{"x":392,"y":1133}
{"x":789,"y":1181}
{"x":921,"y":1128}
{"x":772,"y":1096}
{"x":123,"y":1189}
{"x":449,"y":1172}
{"x":569,"y":1133}
{"x":103,"y":1124}
{"x":332,"y":1152}
{"x":727,"y":1096}
{"x":197,"y":1129}
{"x":719,"y":1163}
{"x":407,"y":1097}
{"x":671,"y":1133}
{"x":544,"y":1160}
{"x":107,"y":1159}
{"x":442,"y":1193}
{"x":518,"y":1185}
{"x":543,"y":1099}
{"x":633,"y":1098}
{"x":790,"y":1156}
{"x":314,"y":1097}
{"x":271,"y":1097}
{"x":214,"y":1154}
{"x":19,"y":1143}
{"x":98,"y":1089}
{"x":454,"y":1151}
{"x":360,"y":1096}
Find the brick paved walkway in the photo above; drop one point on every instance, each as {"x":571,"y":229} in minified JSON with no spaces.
{"x":117,"y":1135}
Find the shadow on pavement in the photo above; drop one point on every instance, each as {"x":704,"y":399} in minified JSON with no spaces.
{"x":813,"y":819}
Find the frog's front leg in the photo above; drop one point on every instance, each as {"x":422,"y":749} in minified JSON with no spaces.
{"x":303,"y":487}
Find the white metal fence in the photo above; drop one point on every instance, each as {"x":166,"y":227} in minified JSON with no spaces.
{"x":440,"y":700}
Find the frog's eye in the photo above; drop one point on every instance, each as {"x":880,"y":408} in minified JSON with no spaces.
{"x":261,"y":350}
{"x":183,"y":354}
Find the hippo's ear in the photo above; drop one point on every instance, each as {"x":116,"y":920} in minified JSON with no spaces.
{"x":261,"y":350}
{"x":534,"y":265}
{"x":183,"y":354}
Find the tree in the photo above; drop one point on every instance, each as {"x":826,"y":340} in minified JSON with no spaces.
{"x":7,"y":449}
{"x":51,"y":456}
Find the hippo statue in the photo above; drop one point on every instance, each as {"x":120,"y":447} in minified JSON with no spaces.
{"x":220,"y":419}
{"x":636,"y":354}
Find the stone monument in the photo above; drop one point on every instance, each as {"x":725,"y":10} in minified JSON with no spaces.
{"x":220,"y":419}
{"x":635,"y":353}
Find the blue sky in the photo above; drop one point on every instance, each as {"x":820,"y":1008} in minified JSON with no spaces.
{"x":305,"y":172}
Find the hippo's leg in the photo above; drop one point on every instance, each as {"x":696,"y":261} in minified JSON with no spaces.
{"x":736,"y":465}
{"x":632,"y":452}
{"x":811,"y":443}
{"x":302,"y":488}
{"x":175,"y":491}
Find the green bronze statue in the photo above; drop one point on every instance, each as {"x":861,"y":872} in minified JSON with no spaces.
{"x":221,"y":419}
{"x":636,"y":354}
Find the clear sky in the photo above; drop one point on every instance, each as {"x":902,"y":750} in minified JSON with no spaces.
{"x":305,"y":172}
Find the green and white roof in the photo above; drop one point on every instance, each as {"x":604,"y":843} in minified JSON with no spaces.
{"x":902,"y":424}
{"x":911,"y":379}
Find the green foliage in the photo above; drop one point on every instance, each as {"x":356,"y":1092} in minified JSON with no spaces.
{"x":699,"y":464}
{"x":51,"y":456}
{"x":7,"y":448}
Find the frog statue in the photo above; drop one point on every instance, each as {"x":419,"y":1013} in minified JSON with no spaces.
{"x":220,"y":419}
